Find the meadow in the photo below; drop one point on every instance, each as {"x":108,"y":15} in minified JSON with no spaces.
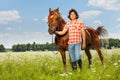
{"x":48,"y":65}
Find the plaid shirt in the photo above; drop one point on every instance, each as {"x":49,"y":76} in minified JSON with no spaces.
{"x":74,"y":29}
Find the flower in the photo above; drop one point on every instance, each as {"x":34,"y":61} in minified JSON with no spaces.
{"x":118,"y":61}
{"x":70,"y":73}
{"x":108,"y":75}
{"x":64,"y":75}
{"x":93,"y":69}
{"x":115,"y":64}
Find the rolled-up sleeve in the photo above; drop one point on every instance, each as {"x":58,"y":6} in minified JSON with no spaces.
{"x":66,"y":27}
{"x":82,"y":25}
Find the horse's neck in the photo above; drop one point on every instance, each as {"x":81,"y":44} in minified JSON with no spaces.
{"x":60,"y":28}
{"x":61,"y":24}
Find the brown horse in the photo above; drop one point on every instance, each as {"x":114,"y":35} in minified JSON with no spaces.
{"x":57,"y":23}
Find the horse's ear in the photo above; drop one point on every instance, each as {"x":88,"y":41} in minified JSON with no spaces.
{"x":49,"y":9}
{"x":57,"y":10}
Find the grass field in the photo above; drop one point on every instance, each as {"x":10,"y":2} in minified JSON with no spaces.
{"x":48,"y":66}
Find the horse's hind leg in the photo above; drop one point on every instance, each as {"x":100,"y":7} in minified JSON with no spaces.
{"x":87,"y":51}
{"x":100,"y":54}
{"x":62,"y":52}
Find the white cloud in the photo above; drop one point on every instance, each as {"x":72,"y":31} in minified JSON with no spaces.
{"x":106,"y":4}
{"x":88,"y":14}
{"x":117,"y":26}
{"x":98,"y":22}
{"x":114,"y":35}
{"x":45,"y":19}
{"x":8,"y":29}
{"x":36,"y":19}
{"x":28,"y":37}
{"x":118,"y":19}
{"x":8,"y":16}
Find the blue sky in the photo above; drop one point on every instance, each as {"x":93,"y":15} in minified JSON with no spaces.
{"x":25,"y":21}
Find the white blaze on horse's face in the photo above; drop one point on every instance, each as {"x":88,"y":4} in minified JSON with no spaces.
{"x":51,"y":16}
{"x":52,"y":22}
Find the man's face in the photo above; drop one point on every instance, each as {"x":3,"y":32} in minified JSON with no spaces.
{"x":72,"y":16}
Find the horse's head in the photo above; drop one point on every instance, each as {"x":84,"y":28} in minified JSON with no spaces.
{"x":53,"y":20}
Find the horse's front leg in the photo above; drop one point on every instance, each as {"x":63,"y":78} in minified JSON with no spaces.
{"x":63,"y":55}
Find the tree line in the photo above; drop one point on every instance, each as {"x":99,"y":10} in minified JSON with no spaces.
{"x":52,"y":47}
{"x":34,"y":47}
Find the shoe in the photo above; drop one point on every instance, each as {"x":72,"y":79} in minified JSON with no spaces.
{"x":80,"y":63}
{"x":74,"y":66}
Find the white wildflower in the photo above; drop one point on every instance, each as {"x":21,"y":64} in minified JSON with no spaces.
{"x":64,"y":75}
{"x":108,"y":75}
{"x":93,"y":69}
{"x":70,"y":73}
{"x":115,"y":64}
{"x":46,"y":64}
{"x":119,"y":61}
{"x":91,"y":65}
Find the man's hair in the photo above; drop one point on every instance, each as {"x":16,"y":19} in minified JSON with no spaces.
{"x":73,"y":10}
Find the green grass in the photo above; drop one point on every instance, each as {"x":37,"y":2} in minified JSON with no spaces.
{"x":48,"y":66}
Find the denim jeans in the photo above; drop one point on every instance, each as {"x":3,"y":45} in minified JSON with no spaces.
{"x":74,"y":51}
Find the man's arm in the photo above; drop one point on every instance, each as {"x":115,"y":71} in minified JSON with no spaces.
{"x":61,"y":32}
{"x":84,"y":38}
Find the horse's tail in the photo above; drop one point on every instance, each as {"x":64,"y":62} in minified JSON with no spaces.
{"x":101,"y":31}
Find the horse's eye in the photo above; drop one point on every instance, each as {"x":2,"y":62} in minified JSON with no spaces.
{"x":57,"y":18}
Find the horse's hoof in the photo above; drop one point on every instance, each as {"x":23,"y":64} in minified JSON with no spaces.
{"x":90,"y":66}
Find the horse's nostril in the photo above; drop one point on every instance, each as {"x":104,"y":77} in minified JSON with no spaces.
{"x":50,"y":31}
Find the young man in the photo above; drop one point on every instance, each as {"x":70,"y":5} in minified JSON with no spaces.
{"x":75,"y":29}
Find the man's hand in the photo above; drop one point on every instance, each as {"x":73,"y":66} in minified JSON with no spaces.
{"x":83,"y":46}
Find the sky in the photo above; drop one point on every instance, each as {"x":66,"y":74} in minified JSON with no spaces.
{"x":25,"y":21}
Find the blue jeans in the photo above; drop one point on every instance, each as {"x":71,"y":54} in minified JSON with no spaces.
{"x":74,"y":51}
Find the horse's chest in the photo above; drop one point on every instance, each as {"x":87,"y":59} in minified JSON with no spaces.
{"x":61,"y":42}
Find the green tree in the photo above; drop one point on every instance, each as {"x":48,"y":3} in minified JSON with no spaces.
{"x":2,"y":48}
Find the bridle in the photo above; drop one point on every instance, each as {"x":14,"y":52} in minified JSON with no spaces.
{"x":57,"y":24}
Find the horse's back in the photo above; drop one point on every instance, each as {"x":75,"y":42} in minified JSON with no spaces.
{"x":91,"y":36}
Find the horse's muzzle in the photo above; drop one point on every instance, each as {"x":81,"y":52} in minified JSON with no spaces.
{"x":51,"y":31}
